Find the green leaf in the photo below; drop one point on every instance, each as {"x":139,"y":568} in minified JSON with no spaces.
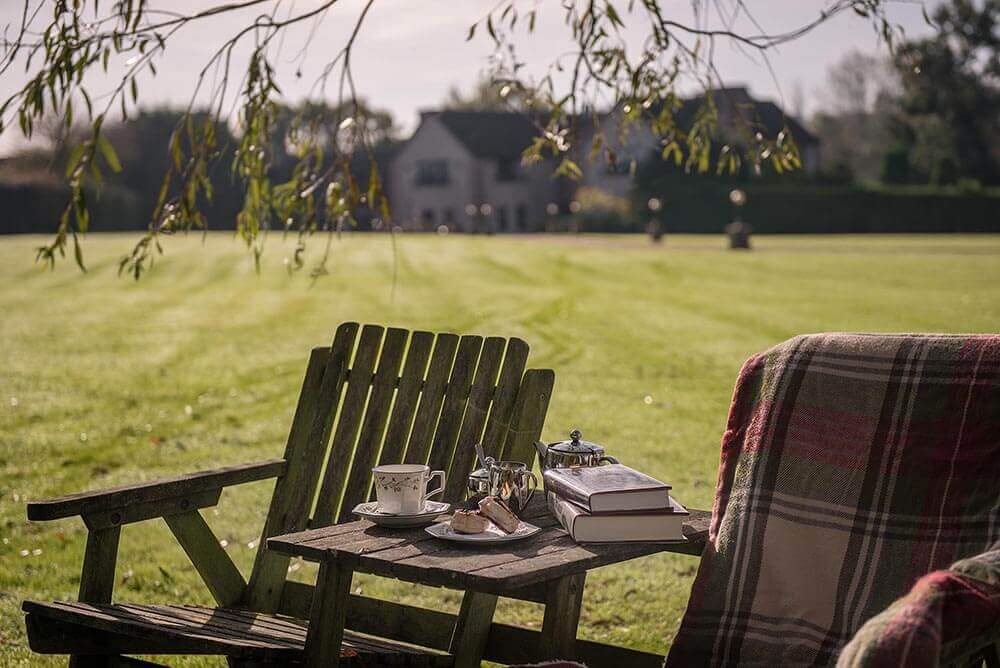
{"x":569,"y":169}
{"x":613,"y":15}
{"x":90,"y":106}
{"x":78,"y":254}
{"x":673,"y":148}
{"x":95,"y":175}
{"x":108,"y":151}
{"x":74,"y":159}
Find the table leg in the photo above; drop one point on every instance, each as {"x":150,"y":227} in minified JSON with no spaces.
{"x":562,"y":616}
{"x":327,"y":616}
{"x":468,"y":641}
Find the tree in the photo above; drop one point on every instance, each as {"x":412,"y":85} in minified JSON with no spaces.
{"x":951,"y":94}
{"x":59,"y":49}
{"x":855,"y":124}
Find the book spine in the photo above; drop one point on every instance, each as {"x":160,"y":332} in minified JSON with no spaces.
{"x":555,"y":483}
{"x":561,"y":512}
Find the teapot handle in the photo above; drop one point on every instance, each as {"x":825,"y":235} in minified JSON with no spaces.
{"x":609,"y":459}
{"x":542,"y":451}
{"x":531,"y":488}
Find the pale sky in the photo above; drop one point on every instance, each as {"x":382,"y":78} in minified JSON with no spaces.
{"x":410,"y":52}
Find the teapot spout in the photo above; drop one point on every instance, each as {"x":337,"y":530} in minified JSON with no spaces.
{"x":542,"y":451}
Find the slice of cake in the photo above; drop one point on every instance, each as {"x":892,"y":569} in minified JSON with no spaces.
{"x":464,"y":521}
{"x":499,"y":513}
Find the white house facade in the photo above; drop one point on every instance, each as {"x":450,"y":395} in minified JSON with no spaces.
{"x":463,"y":170}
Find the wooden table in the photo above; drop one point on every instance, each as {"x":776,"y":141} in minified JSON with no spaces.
{"x":547,"y":568}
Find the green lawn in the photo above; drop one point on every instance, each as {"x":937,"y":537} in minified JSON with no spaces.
{"x":105,"y":381}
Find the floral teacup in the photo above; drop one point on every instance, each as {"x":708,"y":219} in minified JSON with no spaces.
{"x":401,"y":489}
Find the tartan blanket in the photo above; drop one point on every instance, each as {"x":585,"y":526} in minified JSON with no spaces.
{"x":851,"y":466}
{"x":952,"y":606}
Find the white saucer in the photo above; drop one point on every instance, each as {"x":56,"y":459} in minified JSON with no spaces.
{"x":431,"y":511}
{"x":491,"y":536}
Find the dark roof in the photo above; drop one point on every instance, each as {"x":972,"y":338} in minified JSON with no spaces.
{"x":773,"y":118}
{"x":490,"y":134}
{"x":765,"y":116}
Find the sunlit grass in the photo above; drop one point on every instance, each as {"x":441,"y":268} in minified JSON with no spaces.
{"x":105,"y":381}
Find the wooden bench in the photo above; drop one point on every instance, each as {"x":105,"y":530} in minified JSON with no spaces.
{"x":374,"y":396}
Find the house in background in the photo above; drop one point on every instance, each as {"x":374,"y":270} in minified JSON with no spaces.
{"x":463,"y":168}
{"x":737,"y":114}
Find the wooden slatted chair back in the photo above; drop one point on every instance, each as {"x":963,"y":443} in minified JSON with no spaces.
{"x":385,"y":395}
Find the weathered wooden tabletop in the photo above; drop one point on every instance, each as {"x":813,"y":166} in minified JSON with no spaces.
{"x":416,"y":556}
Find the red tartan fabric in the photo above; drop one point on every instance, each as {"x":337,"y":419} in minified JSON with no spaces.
{"x":942,"y":607}
{"x":851,"y":466}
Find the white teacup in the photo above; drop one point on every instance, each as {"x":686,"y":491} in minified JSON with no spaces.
{"x":401,"y":489}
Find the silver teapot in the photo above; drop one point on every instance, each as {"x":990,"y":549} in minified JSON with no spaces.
{"x":574,"y":452}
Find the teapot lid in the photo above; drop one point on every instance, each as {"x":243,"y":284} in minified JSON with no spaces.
{"x":576,"y":445}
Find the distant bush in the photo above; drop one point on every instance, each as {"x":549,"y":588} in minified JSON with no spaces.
{"x":896,"y":165}
{"x":601,"y":211}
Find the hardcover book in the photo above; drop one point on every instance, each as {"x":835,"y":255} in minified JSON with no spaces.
{"x":608,"y":489}
{"x":656,"y":526}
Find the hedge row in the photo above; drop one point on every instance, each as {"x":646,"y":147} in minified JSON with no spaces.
{"x":36,"y":208}
{"x":805,"y":209}
{"x":697,"y":207}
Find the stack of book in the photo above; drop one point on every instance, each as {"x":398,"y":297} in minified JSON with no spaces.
{"x":613,"y":504}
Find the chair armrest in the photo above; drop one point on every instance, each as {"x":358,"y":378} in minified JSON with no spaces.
{"x":115,"y":498}
{"x":948,"y":616}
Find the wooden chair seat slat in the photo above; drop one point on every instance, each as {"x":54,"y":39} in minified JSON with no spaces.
{"x":234,"y":632}
{"x":373,"y":427}
{"x":431,"y":398}
{"x":348,"y":424}
{"x":459,"y":385}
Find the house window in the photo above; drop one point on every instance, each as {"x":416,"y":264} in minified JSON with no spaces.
{"x":432,"y":172}
{"x":504,"y":220}
{"x":427,"y":219}
{"x":507,"y":170}
{"x":449,"y":216}
{"x":521,"y":218}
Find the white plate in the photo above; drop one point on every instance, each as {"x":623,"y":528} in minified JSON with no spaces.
{"x":432,"y":510}
{"x":492,"y":534}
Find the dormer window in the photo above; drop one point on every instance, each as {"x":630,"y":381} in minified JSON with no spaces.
{"x":506,"y":169}
{"x":432,"y":172}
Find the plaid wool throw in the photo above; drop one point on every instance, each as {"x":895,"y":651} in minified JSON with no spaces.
{"x":944,"y":608}
{"x":852,"y":465}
